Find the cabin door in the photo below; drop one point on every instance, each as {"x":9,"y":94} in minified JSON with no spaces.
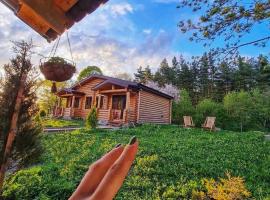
{"x":118,"y":107}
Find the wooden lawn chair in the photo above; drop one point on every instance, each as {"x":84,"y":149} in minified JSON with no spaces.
{"x":209,"y":123}
{"x":188,"y":122}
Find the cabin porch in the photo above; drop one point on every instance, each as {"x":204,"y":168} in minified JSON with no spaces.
{"x":115,"y":104}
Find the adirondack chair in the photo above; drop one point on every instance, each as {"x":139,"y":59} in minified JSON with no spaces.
{"x":209,"y":123}
{"x":188,"y":122}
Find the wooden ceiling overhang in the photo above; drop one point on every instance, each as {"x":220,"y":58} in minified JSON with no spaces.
{"x":51,"y":18}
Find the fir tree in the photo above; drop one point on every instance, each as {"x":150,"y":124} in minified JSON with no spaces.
{"x":164,"y":75}
{"x":244,"y":76}
{"x":203,"y":77}
{"x":19,"y":139}
{"x":224,"y":81}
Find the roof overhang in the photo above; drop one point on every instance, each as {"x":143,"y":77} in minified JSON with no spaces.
{"x":154,"y":91}
{"x":52,"y":19}
{"x":109,"y":82}
{"x":69,"y":92}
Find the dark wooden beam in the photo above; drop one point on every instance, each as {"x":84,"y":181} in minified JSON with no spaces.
{"x":53,"y":15}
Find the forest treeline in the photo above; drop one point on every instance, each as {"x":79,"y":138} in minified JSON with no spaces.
{"x":204,"y":77}
{"x":237,"y":93}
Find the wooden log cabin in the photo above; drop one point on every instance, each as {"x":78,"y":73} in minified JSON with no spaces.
{"x":117,"y":101}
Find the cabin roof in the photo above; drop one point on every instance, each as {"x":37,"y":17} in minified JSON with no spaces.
{"x":119,"y":82}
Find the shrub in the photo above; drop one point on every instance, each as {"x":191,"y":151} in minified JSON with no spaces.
{"x":92,"y":120}
{"x":208,"y":108}
{"x":239,"y":107}
{"x":42,"y":113}
{"x":260,"y":111}
{"x":182,"y":107}
{"x":227,"y":188}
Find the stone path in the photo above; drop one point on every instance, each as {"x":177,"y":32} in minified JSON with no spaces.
{"x":69,"y":129}
{"x":63,"y":129}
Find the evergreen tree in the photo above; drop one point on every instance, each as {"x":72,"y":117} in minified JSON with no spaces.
{"x":212,"y":77}
{"x":175,"y":71}
{"x":203,"y":77}
{"x":165,"y":74}
{"x":143,"y":75}
{"x":224,"y":81}
{"x":19,"y":139}
{"x":263,"y":77}
{"x":194,"y":84}
{"x":185,"y":76}
{"x":139,"y":75}
{"x":148,"y":76}
{"x":244,"y":76}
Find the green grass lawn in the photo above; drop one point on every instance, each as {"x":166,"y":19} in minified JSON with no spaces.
{"x":58,"y":123}
{"x":170,"y":161}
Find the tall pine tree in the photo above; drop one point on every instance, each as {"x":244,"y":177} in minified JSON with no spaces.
{"x":19,"y":139}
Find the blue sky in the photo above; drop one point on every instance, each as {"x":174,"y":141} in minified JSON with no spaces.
{"x":120,"y":36}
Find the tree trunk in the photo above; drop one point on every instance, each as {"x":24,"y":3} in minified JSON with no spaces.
{"x":241,"y":127}
{"x":13,"y":129}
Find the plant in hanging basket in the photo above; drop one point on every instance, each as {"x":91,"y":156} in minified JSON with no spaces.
{"x":57,"y":69}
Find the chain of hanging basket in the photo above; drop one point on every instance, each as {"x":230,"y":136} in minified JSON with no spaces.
{"x":57,"y":69}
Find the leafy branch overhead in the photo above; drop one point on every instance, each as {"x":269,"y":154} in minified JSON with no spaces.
{"x":227,"y":19}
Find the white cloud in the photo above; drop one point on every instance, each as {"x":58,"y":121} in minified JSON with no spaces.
{"x":147,"y":31}
{"x":120,"y":9}
{"x":166,"y":1}
{"x":106,"y":38}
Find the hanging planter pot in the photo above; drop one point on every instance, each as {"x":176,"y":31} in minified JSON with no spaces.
{"x":57,"y":69}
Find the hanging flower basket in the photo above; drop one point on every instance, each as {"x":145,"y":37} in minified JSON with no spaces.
{"x":57,"y":69}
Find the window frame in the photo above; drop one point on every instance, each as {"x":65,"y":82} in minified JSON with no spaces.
{"x":77,"y":102}
{"x":90,"y":105}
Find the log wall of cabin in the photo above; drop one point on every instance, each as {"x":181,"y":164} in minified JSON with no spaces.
{"x":81,"y":112}
{"x":133,"y":106}
{"x":153,"y":109}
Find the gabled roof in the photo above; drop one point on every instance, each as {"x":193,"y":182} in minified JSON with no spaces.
{"x":119,"y":82}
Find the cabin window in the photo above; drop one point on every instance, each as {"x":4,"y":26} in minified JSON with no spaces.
{"x":77,"y":102}
{"x":88,"y":102}
{"x":101,"y":102}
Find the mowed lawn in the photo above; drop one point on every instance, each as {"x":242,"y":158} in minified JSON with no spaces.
{"x":171,"y":160}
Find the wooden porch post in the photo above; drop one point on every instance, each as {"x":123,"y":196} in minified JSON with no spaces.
{"x":99,"y":100}
{"x":127,"y":106}
{"x":110,"y":106}
{"x":72,"y":107}
{"x":73,"y":100}
{"x":94,"y":99}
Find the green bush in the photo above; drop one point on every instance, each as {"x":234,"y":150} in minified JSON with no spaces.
{"x":239,"y":106}
{"x":92,"y":119}
{"x":181,"y":108}
{"x":209,"y":108}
